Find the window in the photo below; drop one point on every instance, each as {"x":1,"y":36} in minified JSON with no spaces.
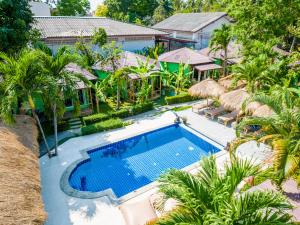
{"x":81,"y":97}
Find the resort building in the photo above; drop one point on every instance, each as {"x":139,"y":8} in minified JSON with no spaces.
{"x":59,"y":30}
{"x":191,"y":29}
{"x":201,"y":66}
{"x":40,"y":9}
{"x":133,"y":80}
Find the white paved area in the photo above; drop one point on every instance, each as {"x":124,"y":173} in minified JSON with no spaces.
{"x":66,"y":210}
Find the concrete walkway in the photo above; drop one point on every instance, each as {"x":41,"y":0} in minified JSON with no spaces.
{"x":66,"y":210}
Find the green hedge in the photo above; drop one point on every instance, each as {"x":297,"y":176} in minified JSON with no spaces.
{"x":103,"y":126}
{"x":137,"y":109}
{"x":95,"y":118}
{"x":183,"y":97}
{"x":122,"y":113}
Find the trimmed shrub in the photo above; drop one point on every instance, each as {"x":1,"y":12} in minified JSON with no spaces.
{"x":141,"y":108}
{"x":181,"y":98}
{"x":103,"y":126}
{"x":122,"y":113}
{"x":87,"y":120}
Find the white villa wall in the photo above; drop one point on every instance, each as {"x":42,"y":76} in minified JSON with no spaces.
{"x":203,"y":36}
{"x":40,"y":9}
{"x":126,"y":45}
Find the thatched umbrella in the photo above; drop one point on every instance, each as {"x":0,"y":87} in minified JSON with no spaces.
{"x":228,"y":80}
{"x":234,"y":100}
{"x":20,"y":187}
{"x":252,"y":106}
{"x":207,"y":88}
{"x":263,"y":111}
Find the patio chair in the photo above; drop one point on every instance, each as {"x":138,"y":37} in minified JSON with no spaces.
{"x":202,"y":105}
{"x":138,"y":213}
{"x":212,"y":113}
{"x":229,"y":117}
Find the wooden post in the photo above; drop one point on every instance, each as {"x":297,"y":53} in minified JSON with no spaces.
{"x":91,"y":99}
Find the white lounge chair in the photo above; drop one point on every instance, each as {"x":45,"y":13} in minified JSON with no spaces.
{"x":202,"y":105}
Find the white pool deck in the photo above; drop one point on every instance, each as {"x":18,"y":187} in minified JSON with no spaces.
{"x":65,"y":210}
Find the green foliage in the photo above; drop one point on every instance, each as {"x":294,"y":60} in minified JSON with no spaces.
{"x":141,"y":108}
{"x":101,"y":11}
{"x":121,"y":113}
{"x":163,"y":11}
{"x":210,"y":197}
{"x":281,"y":131}
{"x":181,"y":98}
{"x":182,"y":108}
{"x":99,"y":37}
{"x":152,"y":52}
{"x":103,"y":126}
{"x":15,"y":24}
{"x":130,"y":10}
{"x":262,"y":20}
{"x":72,"y":7}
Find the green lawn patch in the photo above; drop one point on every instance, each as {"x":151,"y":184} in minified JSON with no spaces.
{"x":181,"y":108}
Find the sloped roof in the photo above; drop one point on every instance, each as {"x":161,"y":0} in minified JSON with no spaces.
{"x":74,"y":68}
{"x":191,"y":22}
{"x":65,"y":26}
{"x":127,"y":59}
{"x":184,"y":55}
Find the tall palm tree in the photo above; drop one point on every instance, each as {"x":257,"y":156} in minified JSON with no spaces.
{"x":22,"y":79}
{"x":118,"y":79}
{"x":281,"y":131}
{"x":210,"y":197}
{"x":61,"y":83}
{"x":220,"y":41}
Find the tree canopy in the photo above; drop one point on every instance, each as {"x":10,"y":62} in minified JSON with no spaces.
{"x":15,"y":23}
{"x":72,"y":7}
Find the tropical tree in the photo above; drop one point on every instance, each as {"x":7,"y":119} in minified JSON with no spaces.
{"x":22,"y":79}
{"x":118,"y":79}
{"x":182,"y":78}
{"x":61,"y":83}
{"x":211,"y":197}
{"x":258,"y":73}
{"x":72,"y":7}
{"x":167,"y":77}
{"x":220,"y":41}
{"x":281,"y":131}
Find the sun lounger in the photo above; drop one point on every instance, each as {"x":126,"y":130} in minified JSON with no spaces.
{"x":202,"y":105}
{"x":229,"y":117}
{"x":212,"y":113}
{"x":138,"y":213}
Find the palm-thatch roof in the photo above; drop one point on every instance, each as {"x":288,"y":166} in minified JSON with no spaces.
{"x":20,"y":190}
{"x":251,"y":107}
{"x":234,"y":100}
{"x":228,"y":81}
{"x":263,"y":111}
{"x":207,"y":88}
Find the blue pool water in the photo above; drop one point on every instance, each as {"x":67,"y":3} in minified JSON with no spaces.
{"x":132,"y":163}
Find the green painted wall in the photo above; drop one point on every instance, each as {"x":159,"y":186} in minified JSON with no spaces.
{"x":101,"y":74}
{"x":85,"y":105}
{"x":173,"y":67}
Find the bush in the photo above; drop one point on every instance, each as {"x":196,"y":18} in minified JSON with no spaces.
{"x":87,"y":120}
{"x":183,"y":97}
{"x":141,"y":108}
{"x":122,"y":113}
{"x":103,"y":126}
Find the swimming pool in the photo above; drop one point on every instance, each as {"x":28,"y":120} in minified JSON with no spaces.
{"x":130,"y":164}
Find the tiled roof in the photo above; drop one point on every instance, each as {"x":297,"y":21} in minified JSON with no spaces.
{"x":191,"y":22}
{"x":184,"y":55}
{"x":64,"y":26}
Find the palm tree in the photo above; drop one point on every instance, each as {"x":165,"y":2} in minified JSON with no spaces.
{"x":281,"y":131}
{"x":61,"y":83}
{"x":22,"y":79}
{"x":257,"y":73}
{"x":210,"y":197}
{"x":220,"y":41}
{"x":182,"y":78}
{"x":118,"y":79}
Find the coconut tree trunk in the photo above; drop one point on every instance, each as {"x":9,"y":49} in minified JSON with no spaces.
{"x":293,"y":44}
{"x":118,"y":96}
{"x":97,"y":104}
{"x":37,"y":119}
{"x":55,"y":128}
{"x":225,"y":61}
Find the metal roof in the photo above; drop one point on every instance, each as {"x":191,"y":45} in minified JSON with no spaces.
{"x":208,"y":67}
{"x":184,"y":55}
{"x":190,"y":22}
{"x":65,"y":26}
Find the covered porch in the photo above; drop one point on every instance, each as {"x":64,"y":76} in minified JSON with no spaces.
{"x":202,"y":72}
